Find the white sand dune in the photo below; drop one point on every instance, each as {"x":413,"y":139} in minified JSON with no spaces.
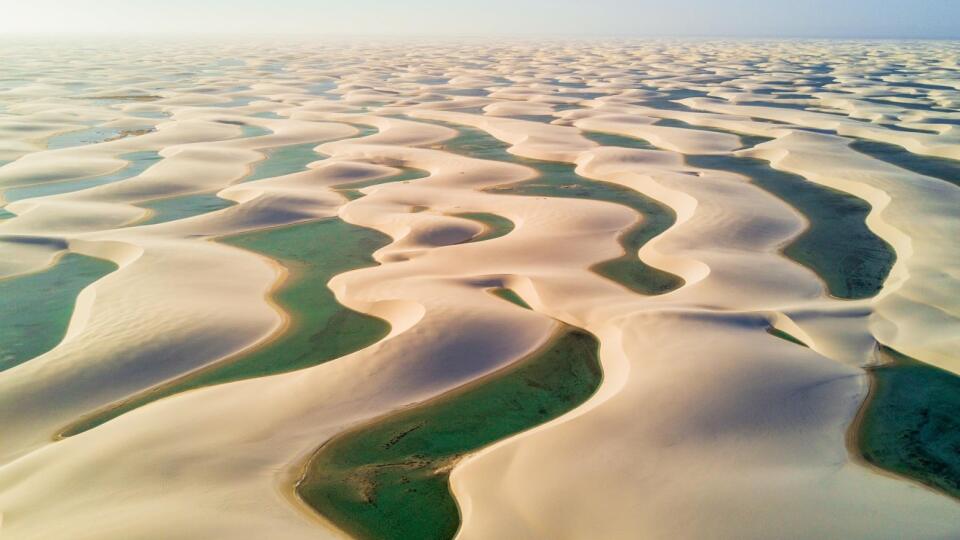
{"x":705,"y":426}
{"x":915,"y":214}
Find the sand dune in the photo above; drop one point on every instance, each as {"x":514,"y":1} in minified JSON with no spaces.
{"x":706,"y":424}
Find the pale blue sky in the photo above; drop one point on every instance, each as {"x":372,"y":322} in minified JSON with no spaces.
{"x":748,"y":18}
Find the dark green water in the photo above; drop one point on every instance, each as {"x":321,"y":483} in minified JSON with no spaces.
{"x":280,"y":161}
{"x":321,"y":329}
{"x":36,"y":308}
{"x":138,"y":162}
{"x":667,"y":100}
{"x":284,"y":160}
{"x":947,"y":170}
{"x":510,"y":296}
{"x":293,"y":158}
{"x":494,"y":226}
{"x":911,"y":106}
{"x":747,"y":141}
{"x":837,"y":245}
{"x":775,"y":104}
{"x":389,"y":479}
{"x":351,"y":190}
{"x":174,"y":208}
{"x":557,"y":107}
{"x":561,"y":180}
{"x":776,"y":332}
{"x":610,"y":139}
{"x":911,"y":422}
{"x":906,"y":129}
{"x":542,"y":118}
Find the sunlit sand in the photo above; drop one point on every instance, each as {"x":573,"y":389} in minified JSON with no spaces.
{"x":519,"y":290}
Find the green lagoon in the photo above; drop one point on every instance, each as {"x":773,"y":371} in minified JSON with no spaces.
{"x":389,"y":479}
{"x":36,"y":308}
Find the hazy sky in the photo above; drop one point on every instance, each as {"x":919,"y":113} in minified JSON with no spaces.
{"x":759,"y":18}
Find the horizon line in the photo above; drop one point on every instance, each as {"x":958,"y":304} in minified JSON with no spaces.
{"x":512,"y":35}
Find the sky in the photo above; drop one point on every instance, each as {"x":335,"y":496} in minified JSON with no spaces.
{"x":925,"y":19}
